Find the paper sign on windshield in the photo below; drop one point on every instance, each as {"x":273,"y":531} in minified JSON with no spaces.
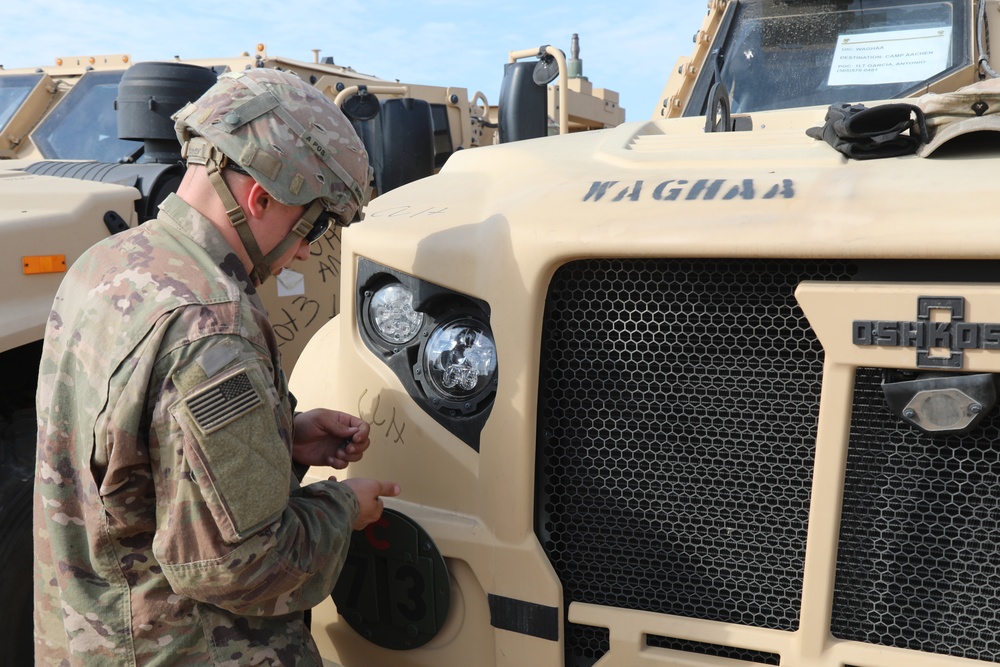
{"x":890,"y":57}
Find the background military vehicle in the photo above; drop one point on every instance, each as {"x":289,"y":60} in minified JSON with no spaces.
{"x":67,"y":111}
{"x":71,"y":178}
{"x":696,"y":390}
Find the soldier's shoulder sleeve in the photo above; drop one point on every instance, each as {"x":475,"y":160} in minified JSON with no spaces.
{"x":229,"y":530}
{"x":229,"y":419}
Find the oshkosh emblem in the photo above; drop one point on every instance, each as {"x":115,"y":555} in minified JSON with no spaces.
{"x":939,"y":344}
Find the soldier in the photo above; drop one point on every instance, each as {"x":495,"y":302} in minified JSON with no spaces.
{"x":170,"y":524}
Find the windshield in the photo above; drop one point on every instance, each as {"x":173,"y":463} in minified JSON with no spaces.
{"x":776,"y":54}
{"x":84,"y":126}
{"x":14,"y":91}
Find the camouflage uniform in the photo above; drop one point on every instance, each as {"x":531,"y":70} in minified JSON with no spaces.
{"x":169,"y":528}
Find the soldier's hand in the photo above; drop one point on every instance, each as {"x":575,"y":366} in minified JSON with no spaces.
{"x":329,"y":438}
{"x":370,"y":493}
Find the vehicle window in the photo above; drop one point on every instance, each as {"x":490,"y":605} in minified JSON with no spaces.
{"x":777,"y":54}
{"x":14,"y":90}
{"x":84,"y":125}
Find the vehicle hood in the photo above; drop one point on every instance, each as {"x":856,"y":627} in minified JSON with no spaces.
{"x":668,"y":188}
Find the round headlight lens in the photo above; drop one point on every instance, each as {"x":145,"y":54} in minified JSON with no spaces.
{"x":460,"y":359}
{"x":392,"y":315}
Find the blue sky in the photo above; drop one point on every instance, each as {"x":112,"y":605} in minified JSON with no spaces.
{"x":629,"y":46}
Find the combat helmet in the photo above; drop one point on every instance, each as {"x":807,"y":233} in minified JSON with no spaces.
{"x":288,"y":137}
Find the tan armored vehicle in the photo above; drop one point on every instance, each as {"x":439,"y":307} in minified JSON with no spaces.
{"x":77,"y":172}
{"x":658,"y":395}
{"x":67,"y":112}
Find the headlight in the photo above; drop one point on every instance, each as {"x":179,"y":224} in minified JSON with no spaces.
{"x":460,"y":359}
{"x":392,"y":315}
{"x":436,"y":340}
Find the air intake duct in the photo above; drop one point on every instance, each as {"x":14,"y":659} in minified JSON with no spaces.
{"x":151,"y":92}
{"x":523,"y":112}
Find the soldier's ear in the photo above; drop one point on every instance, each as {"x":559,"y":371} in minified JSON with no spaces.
{"x":258,"y":201}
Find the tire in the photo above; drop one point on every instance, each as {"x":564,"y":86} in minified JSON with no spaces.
{"x":17,"y":447}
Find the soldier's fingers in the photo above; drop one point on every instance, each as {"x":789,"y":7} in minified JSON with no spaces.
{"x":336,"y":462}
{"x":389,"y":489}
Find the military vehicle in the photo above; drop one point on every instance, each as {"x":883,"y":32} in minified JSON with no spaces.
{"x":67,"y":111}
{"x":696,"y":390}
{"x":76,"y":171}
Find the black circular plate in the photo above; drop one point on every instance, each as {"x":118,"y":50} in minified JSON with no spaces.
{"x":394,"y":589}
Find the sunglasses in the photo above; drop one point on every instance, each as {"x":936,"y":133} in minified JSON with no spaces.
{"x":315,"y":222}
{"x":319,"y":226}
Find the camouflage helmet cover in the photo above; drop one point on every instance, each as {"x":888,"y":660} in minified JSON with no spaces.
{"x":286,"y":134}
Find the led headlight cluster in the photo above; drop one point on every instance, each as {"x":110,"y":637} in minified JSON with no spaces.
{"x":460,"y":359}
{"x":437,"y":341}
{"x":392,"y":315}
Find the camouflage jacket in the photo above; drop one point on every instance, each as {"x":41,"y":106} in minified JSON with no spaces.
{"x":169,"y":528}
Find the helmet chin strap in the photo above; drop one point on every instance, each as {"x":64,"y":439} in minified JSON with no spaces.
{"x":199,"y":151}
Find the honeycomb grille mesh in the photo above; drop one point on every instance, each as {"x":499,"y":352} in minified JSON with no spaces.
{"x":701,"y":648}
{"x":918,"y":565}
{"x":677,"y":413}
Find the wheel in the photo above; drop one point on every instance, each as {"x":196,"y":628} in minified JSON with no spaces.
{"x":17,"y":447}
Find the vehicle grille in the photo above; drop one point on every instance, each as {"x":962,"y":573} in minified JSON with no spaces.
{"x":677,"y":413}
{"x":677,"y":419}
{"x":919,"y":557}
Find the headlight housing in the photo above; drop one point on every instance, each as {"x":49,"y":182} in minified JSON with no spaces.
{"x":436,"y":340}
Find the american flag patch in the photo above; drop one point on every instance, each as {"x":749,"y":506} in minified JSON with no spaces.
{"x":223,"y":402}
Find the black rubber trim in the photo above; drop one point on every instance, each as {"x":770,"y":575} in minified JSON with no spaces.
{"x":526,"y":618}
